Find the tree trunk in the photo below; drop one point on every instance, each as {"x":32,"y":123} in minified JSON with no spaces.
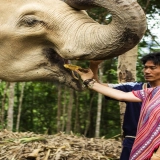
{"x":99,"y":106}
{"x":20,"y":106}
{"x":126,"y":71}
{"x":64,"y":109}
{"x":10,"y":107}
{"x":3,"y":105}
{"x":69,"y":112}
{"x":59,"y":108}
{"x":76,"y":123}
{"x":88,"y":118}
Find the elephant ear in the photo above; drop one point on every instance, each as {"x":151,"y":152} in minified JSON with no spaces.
{"x":80,"y":4}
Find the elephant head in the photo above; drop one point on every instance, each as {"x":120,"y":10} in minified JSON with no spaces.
{"x":38,"y":36}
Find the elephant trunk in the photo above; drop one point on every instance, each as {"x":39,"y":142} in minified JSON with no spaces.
{"x":126,"y":29}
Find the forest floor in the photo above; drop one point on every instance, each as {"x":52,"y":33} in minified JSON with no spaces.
{"x":61,"y":146}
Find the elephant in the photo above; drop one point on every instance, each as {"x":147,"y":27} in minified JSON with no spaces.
{"x":37,"y":37}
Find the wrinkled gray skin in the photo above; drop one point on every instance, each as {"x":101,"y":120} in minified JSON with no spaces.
{"x":38,"y":36}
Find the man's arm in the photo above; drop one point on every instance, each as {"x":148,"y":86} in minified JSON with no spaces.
{"x":107,"y":91}
{"x":114,"y":93}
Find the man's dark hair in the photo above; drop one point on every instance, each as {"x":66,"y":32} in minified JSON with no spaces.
{"x":154,"y":57}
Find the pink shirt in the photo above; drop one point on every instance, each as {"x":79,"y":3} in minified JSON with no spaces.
{"x":148,"y":132}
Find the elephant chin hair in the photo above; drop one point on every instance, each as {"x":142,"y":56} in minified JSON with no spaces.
{"x":53,"y":57}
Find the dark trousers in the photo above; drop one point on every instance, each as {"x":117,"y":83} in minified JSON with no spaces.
{"x":127,"y":147}
{"x":125,"y":153}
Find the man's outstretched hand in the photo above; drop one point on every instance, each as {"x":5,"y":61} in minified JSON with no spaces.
{"x":85,"y":75}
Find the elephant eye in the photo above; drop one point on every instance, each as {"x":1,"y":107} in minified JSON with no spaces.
{"x":29,"y":22}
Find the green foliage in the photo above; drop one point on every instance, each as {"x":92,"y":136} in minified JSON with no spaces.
{"x":39,"y":109}
{"x":150,"y":7}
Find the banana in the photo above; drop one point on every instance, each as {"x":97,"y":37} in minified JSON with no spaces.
{"x":72,"y":67}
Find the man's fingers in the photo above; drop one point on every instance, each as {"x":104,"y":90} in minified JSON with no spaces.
{"x":83,"y":70}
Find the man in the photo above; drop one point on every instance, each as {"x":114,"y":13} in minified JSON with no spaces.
{"x":132,"y":112}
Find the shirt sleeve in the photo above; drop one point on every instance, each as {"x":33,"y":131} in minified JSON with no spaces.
{"x":126,"y":87}
{"x":142,"y":94}
{"x":139,"y":94}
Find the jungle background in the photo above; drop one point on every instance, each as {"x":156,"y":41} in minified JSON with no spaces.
{"x":50,"y":107}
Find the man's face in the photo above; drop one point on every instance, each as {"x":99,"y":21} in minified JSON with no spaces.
{"x":151,"y":72}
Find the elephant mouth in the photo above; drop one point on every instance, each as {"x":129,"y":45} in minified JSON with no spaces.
{"x":56,"y":60}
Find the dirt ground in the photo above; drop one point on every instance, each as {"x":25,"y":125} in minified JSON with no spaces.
{"x":30,"y":146}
